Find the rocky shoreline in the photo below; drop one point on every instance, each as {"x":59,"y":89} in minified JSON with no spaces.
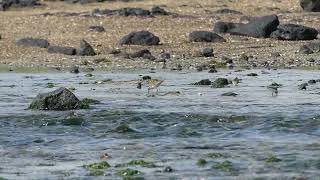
{"x":152,"y":35}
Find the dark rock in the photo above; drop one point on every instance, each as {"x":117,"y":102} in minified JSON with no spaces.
{"x":220,"y":83}
{"x":97,"y":28}
{"x":303,"y":86}
{"x":311,"y":60}
{"x":124,"y":128}
{"x":225,"y":27}
{"x":212,"y":70}
{"x":86,"y":49}
{"x":294,"y":32}
{"x":310,"y":5}
{"x":204,"y":82}
{"x":60,"y":100}
{"x":74,"y":69}
{"x":5,"y":4}
{"x":145,"y":54}
{"x":260,"y":27}
{"x":205,"y":36}
{"x":229,"y":94}
{"x":227,"y":11}
{"x":207,"y":52}
{"x":168,"y":169}
{"x":275,"y":54}
{"x":312,"y":81}
{"x":144,"y":38}
{"x":310,"y":48}
{"x":62,"y":50}
{"x":246,"y":19}
{"x":115,"y":51}
{"x":35,"y":42}
{"x":158,"y":11}
{"x":252,"y":74}
{"x":146,"y":77}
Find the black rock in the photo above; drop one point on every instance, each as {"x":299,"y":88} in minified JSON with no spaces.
{"x":310,"y":5}
{"x":62,"y":50}
{"x":227,"y":11}
{"x":312,"y":81}
{"x":158,"y":11}
{"x":204,"y":82}
{"x":146,"y":77}
{"x":303,"y":86}
{"x":145,"y":54}
{"x":220,"y":83}
{"x":207,"y":52}
{"x":144,"y":38}
{"x":252,"y":74}
{"x":205,"y":36}
{"x":35,"y":42}
{"x":212,"y":70}
{"x":60,"y":100}
{"x":168,"y":169}
{"x":86,"y":49}
{"x":294,"y":32}
{"x":225,"y":27}
{"x":310,"y":48}
{"x":97,"y":28}
{"x":260,"y":27}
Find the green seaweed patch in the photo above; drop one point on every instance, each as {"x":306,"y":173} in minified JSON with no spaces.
{"x":142,"y":163}
{"x":133,"y":178}
{"x":273,"y":159}
{"x":2,"y":178}
{"x":99,"y":165}
{"x":50,"y":85}
{"x":73,"y":121}
{"x":86,"y":102}
{"x":215,"y":155}
{"x":128,"y":172}
{"x":202,"y":162}
{"x":95,"y":173}
{"x":124,"y":128}
{"x":225,"y":166}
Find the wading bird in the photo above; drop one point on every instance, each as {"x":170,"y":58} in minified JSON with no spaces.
{"x":274,"y":90}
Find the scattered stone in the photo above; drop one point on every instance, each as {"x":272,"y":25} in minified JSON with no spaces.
{"x":62,"y":50}
{"x":34,"y":42}
{"x":144,"y":54}
{"x":204,"y":82}
{"x":259,"y":27}
{"x":294,"y":32}
{"x":227,"y":11}
{"x":144,"y":38}
{"x":158,"y":11}
{"x":86,"y":49}
{"x":310,"y":5}
{"x":312,"y":81}
{"x":205,"y":36}
{"x":225,"y":27}
{"x":207,"y":52}
{"x":60,"y":100}
{"x":230,"y":94}
{"x":220,"y":83}
{"x":97,"y":28}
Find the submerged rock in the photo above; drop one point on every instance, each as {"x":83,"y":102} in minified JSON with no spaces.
{"x":220,"y":83}
{"x":35,"y":42}
{"x":124,"y":128}
{"x":60,"y":100}
{"x":229,"y":94}
{"x":74,"y":69}
{"x":294,"y":32}
{"x":86,"y":49}
{"x":204,"y":82}
{"x":144,"y":38}
{"x":205,"y":36}
{"x":259,"y":27}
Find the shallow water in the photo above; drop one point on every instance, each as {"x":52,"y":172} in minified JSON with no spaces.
{"x":172,"y":130}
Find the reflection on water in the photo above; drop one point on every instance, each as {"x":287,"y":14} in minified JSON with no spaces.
{"x":249,"y":136}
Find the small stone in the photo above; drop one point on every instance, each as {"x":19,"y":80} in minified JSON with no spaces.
{"x":86,"y":49}
{"x":207,"y":52}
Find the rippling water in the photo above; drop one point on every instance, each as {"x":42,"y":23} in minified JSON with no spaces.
{"x":260,"y":136}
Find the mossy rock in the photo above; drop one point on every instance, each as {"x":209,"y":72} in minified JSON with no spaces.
{"x":201,"y":162}
{"x":215,"y":155}
{"x":86,"y":102}
{"x":100,"y":165}
{"x":73,"y":121}
{"x":273,"y":159}
{"x":203,"y":82}
{"x":142,"y":163}
{"x":50,"y":85}
{"x":220,"y":83}
{"x":95,"y":173}
{"x":225,"y":166}
{"x":128,"y":172}
{"x":124,"y":128}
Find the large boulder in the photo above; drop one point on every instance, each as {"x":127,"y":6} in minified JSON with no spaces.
{"x":62,"y":50}
{"x":260,"y":27}
{"x":205,"y":36}
{"x":225,"y":27}
{"x":34,"y":42}
{"x":310,"y":5}
{"x":59,"y":100}
{"x":294,"y":32}
{"x":144,"y":38}
{"x":86,"y":49}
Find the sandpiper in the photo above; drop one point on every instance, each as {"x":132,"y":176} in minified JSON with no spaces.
{"x":154,"y":84}
{"x":235,"y":81}
{"x":274,"y":90}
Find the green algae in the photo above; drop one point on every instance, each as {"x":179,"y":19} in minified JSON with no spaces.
{"x":99,"y":165}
